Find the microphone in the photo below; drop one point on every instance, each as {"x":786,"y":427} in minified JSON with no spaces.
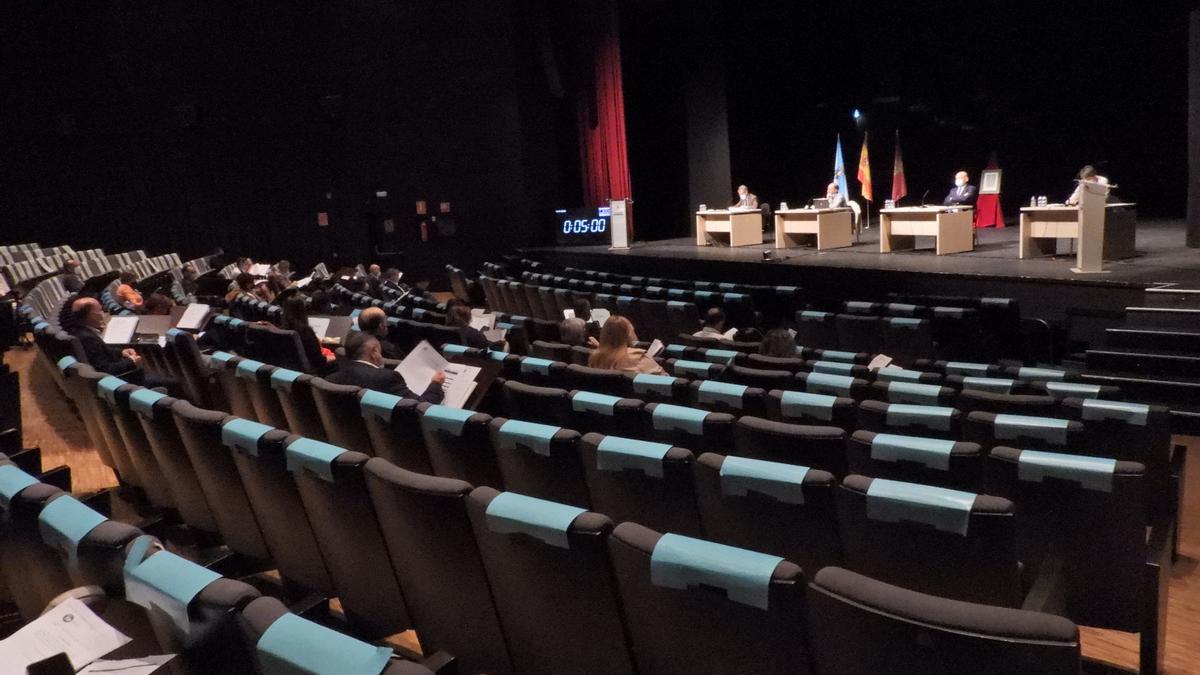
{"x":924,"y":196}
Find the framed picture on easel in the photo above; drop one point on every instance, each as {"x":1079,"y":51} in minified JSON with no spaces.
{"x":989,"y":182}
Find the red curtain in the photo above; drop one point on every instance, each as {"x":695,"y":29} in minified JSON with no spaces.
{"x":601,"y":104}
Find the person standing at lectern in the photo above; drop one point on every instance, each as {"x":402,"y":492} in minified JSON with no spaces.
{"x":963,"y":193}
{"x":835,"y":196}
{"x":1086,"y":175}
{"x":745,"y":199}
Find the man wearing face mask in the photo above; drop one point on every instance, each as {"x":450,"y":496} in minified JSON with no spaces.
{"x":963,"y":193}
{"x":746,"y":200}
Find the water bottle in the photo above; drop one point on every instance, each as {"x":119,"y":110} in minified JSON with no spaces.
{"x":1033,"y":201}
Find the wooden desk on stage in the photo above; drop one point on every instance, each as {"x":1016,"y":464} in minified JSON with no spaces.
{"x":744,"y":228}
{"x":1043,"y":226}
{"x":831,"y":227}
{"x":951,"y":226}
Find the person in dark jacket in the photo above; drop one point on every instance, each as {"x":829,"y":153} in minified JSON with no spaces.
{"x":373,"y":320}
{"x":295,"y":317}
{"x":70,"y":276}
{"x":87,"y":326}
{"x":459,"y":316}
{"x":363,"y":367}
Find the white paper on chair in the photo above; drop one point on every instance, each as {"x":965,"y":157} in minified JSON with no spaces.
{"x":320,"y":326}
{"x":483,"y":322}
{"x":459,"y":384}
{"x":69,"y":628}
{"x":568,"y":314}
{"x":495,"y":335}
{"x":600,"y":315}
{"x":260,"y":269}
{"x":655,"y":348}
{"x":419,"y":367}
{"x":880,"y":361}
{"x":728,"y":335}
{"x":193,"y":316}
{"x":120,"y":330}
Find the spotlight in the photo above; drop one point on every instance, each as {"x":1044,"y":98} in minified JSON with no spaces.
{"x":856,"y":114}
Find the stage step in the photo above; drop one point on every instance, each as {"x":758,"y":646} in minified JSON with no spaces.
{"x":1169,"y":341}
{"x":1162,"y":317}
{"x":1173,"y":298}
{"x":1141,"y":363}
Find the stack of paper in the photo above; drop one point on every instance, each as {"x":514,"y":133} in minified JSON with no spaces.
{"x":120,"y":330}
{"x":193,"y":316}
{"x":70,"y":628}
{"x":320,"y":326}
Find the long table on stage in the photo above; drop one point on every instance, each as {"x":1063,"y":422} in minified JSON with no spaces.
{"x":831,"y":228}
{"x":951,"y":226}
{"x":743,"y":227}
{"x":1043,"y":226}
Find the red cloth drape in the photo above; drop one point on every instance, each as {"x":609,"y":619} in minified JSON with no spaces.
{"x":987,"y":207}
{"x":601,"y":105}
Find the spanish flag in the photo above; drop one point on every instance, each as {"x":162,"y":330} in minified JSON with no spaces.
{"x":864,"y":171}
{"x":899,"y":185}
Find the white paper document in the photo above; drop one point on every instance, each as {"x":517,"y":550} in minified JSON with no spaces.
{"x":880,"y":361}
{"x":419,"y":367}
{"x":728,"y":335}
{"x":320,"y":326}
{"x":140,"y":666}
{"x":193,"y":316}
{"x":655,"y":348}
{"x":260,"y":269}
{"x":120,"y":329}
{"x":495,"y":335}
{"x":459,"y":384}
{"x":304,"y":282}
{"x":69,"y":628}
{"x":600,"y":315}
{"x":568,"y":314}
{"x":483,"y":322}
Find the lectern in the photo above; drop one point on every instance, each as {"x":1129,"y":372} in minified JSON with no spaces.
{"x":619,"y":222}
{"x":1090,"y":253}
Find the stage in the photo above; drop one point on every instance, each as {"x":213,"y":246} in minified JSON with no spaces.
{"x":1046,"y":287}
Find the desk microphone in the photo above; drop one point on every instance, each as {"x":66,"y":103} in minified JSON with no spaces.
{"x":923,"y":197}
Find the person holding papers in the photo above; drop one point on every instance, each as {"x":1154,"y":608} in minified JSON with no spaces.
{"x":391,"y":280}
{"x":1086,"y":175}
{"x":373,"y":320}
{"x":834,"y":195}
{"x":714,"y":326}
{"x":746,"y":200}
{"x":295,"y":317}
{"x":963,"y":193}
{"x":616,"y":350}
{"x":363,"y":367}
{"x":87,"y":325}
{"x":459,"y":316}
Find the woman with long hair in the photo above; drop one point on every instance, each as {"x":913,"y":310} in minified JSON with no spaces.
{"x":295,"y":317}
{"x":616,"y":350}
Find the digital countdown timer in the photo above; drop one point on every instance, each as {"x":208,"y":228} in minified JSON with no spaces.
{"x":582,"y":225}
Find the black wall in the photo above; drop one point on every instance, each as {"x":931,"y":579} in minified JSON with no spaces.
{"x":182,"y":125}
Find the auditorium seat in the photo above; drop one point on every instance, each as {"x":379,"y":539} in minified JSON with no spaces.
{"x":114,"y":395}
{"x":641,"y":480}
{"x":758,"y":377}
{"x":294,"y":391}
{"x":964,"y":368}
{"x":861,"y":626}
{"x":912,"y":420}
{"x":819,"y":447}
{"x":1081,"y":390}
{"x":842,"y":356}
{"x":332,"y":489}
{"x":687,"y":427}
{"x":258,"y":454}
{"x":1017,"y":404}
{"x":394,"y":426}
{"x":200,"y":432}
{"x":678,"y":624}
{"x":1050,"y":433}
{"x":727,"y":397}
{"x":541,"y":372}
{"x":992,"y":385}
{"x":538,"y":556}
{"x":339,"y":412}
{"x":907,"y":339}
{"x":548,"y":405}
{"x":539,"y":460}
{"x":88,"y":380}
{"x":224,"y":366}
{"x":843,"y":386}
{"x":694,"y":369}
{"x":915,"y":459}
{"x":912,"y":392}
{"x":896,"y":374}
{"x":158,"y":424}
{"x":262,"y":394}
{"x":605,"y":414}
{"x":287,"y":644}
{"x":659,"y":388}
{"x":599,"y":380}
{"x":782,"y":509}
{"x":791,"y":364}
{"x":459,"y":444}
{"x":859,"y":333}
{"x":839,"y":367}
{"x":195,"y":376}
{"x":958,"y":545}
{"x":799,"y":407}
{"x":554,"y":351}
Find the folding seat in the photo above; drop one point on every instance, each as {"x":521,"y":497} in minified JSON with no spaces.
{"x":258,"y":454}
{"x":682,"y":317}
{"x":964,"y":368}
{"x":694,"y":369}
{"x":153,"y":411}
{"x":200,"y":432}
{"x":263,"y":399}
{"x":860,"y":308}
{"x":726,"y":397}
{"x":540,"y":460}
{"x":913,"y":420}
{"x":687,"y":427}
{"x":790,"y":364}
{"x":1033,"y":374}
{"x":548,"y":405}
{"x":845,"y":386}
{"x":554,"y":351}
{"x":958,"y":545}
{"x":115,"y":396}
{"x":224,"y":366}
{"x":1018,"y":404}
{"x":439,"y":335}
{"x":781,"y":509}
{"x":677,"y":624}
{"x":88,"y":382}
{"x":906,"y":310}
{"x":916,"y":459}
{"x":679,"y":350}
{"x":657,"y":320}
{"x":605,"y":414}
{"x":459,"y":444}
{"x":287,"y":644}
{"x":340,"y":414}
{"x":634,"y":479}
{"x":599,"y":380}
{"x":331,"y":485}
{"x":1051,"y":433}
{"x":580,"y":355}
{"x":294,"y":391}
{"x":550,"y":310}
{"x":840,"y":368}
{"x":861,"y":626}
{"x":1080,"y":390}
{"x":756,"y":377}
{"x":895,"y":374}
{"x":1083,"y":519}
{"x":394,"y":427}
{"x":819,"y":447}
{"x":283,"y":349}
{"x":908,"y":339}
{"x":563,"y":300}
{"x":816,"y":329}
{"x":916,"y":393}
{"x":194,"y":375}
{"x":533,"y":302}
{"x":798,"y":407}
{"x":994,"y":385}
{"x":542,"y":372}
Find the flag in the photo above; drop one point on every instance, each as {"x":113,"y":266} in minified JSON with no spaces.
{"x":899,"y":185}
{"x":839,"y":170}
{"x":864,"y":172}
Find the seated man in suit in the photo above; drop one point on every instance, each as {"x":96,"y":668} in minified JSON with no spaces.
{"x":714,"y":325}
{"x":87,"y":326}
{"x":373,"y":321}
{"x":363,"y":367}
{"x":70,"y":276}
{"x":963,"y":193}
{"x":746,"y":200}
{"x":391,"y":280}
{"x":835,"y":196}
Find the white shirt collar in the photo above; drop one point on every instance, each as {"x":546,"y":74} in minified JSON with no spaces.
{"x":367,"y":363}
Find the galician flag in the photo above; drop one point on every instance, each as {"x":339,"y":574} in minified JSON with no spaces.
{"x":839,"y":170}
{"x":899,"y":185}
{"x":864,"y":172}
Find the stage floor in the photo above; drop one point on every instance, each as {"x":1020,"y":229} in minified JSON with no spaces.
{"x":1162,"y":260}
